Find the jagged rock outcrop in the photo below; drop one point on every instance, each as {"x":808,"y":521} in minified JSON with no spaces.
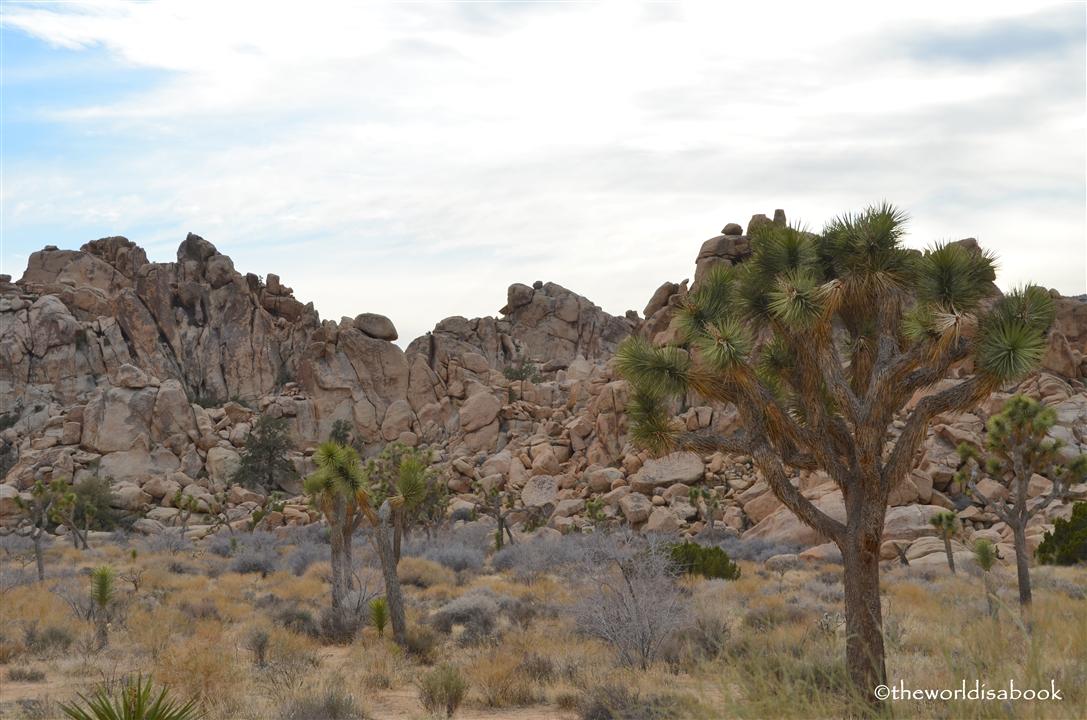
{"x":152,"y":374}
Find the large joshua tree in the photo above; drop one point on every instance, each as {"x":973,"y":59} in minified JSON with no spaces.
{"x":821,"y":341}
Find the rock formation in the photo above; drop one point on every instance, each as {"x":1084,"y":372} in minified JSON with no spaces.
{"x":152,"y":374}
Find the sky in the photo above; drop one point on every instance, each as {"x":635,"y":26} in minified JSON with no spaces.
{"x":415,"y":159}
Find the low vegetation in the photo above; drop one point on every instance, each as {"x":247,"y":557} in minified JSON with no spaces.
{"x":601,"y":625}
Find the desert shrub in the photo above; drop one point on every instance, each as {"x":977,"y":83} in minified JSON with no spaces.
{"x":204,"y":667}
{"x":528,"y":561}
{"x":172,"y":541}
{"x":134,"y":700}
{"x":619,"y":702}
{"x":305,"y":554}
{"x":424,"y":573}
{"x":256,"y":560}
{"x":256,"y":642}
{"x":331,"y":703}
{"x":1066,"y":543}
{"x":421,"y":642}
{"x":9,"y":649}
{"x":710,"y":562}
{"x":178,"y":567}
{"x":634,"y":603}
{"x":51,"y":640}
{"x":202,"y":610}
{"x":456,"y":556}
{"x":764,"y":617}
{"x":298,"y":620}
{"x":476,"y":611}
{"x":442,"y":690}
{"x":501,"y":683}
{"x":338,"y":627}
{"x":223,"y":545}
{"x":264,"y":463}
{"x":754,"y":549}
{"x":22,"y":674}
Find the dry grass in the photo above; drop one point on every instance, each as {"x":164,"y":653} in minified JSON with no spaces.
{"x":762,"y":646}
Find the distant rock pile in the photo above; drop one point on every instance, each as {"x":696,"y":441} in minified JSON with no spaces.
{"x":152,"y":374}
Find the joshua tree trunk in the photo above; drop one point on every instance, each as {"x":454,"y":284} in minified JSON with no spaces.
{"x":1022,"y":563}
{"x":388,"y":570}
{"x":989,"y":594}
{"x":336,"y":541}
{"x":39,"y":555}
{"x":863,"y":614}
{"x":950,"y":555}
{"x":101,"y":633}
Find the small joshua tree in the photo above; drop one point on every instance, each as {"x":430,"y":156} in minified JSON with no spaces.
{"x":985,"y":557}
{"x":947,"y":525}
{"x":102,"y":593}
{"x":404,"y":474}
{"x":40,"y":513}
{"x":1016,"y":448}
{"x":502,"y":505}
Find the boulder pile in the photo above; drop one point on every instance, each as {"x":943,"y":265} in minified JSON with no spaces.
{"x":153,"y":374}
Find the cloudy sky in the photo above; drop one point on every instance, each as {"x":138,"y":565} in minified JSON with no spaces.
{"x":415,"y":159}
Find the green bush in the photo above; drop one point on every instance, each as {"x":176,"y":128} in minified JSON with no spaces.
{"x":1066,"y":544}
{"x":134,"y":701}
{"x":442,"y":690}
{"x":707,"y":561}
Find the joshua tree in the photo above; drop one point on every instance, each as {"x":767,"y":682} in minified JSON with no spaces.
{"x":821,"y":342}
{"x":502,"y":505}
{"x":1016,"y":448}
{"x":338,"y":489}
{"x":101,"y":603}
{"x":985,"y":557}
{"x":405,"y":473}
{"x":948,"y":525}
{"x":264,"y":462}
{"x":40,"y":513}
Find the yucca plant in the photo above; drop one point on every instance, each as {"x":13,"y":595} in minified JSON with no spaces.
{"x":102,"y":593}
{"x":379,"y":615}
{"x":821,"y":341}
{"x":1016,"y":448}
{"x":947,"y":525}
{"x":985,"y":557}
{"x":136,"y":700}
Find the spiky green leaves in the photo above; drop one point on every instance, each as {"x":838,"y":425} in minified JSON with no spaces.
{"x":954,"y":278}
{"x":945,"y":522}
{"x":1009,"y":349}
{"x":724,"y":344}
{"x":713,"y":300}
{"x":102,"y":586}
{"x":1012,"y":338}
{"x":661,"y":371}
{"x":864,"y":251}
{"x":338,"y":471}
{"x":651,"y":424}
{"x":411,"y":482}
{"x":797,"y":300}
{"x":984,"y":554}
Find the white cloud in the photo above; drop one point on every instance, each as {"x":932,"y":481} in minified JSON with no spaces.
{"x":416,"y":159}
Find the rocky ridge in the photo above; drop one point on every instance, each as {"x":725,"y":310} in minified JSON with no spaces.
{"x":152,"y":374}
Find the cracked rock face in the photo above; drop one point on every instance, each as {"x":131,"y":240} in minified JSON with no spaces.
{"x":152,"y":374}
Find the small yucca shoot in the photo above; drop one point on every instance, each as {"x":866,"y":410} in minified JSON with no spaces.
{"x":985,"y":557}
{"x":379,"y":614}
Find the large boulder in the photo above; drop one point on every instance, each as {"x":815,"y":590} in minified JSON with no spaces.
{"x":478,"y":411}
{"x":678,"y":467}
{"x":376,"y":326}
{"x":222,"y":463}
{"x":540,"y":491}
